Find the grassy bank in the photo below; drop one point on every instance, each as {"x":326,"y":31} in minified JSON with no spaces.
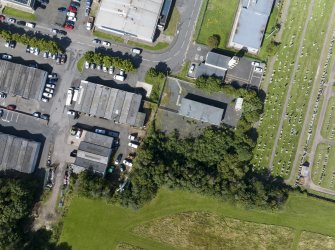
{"x":19,"y":14}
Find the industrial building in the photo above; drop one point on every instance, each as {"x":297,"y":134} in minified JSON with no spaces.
{"x":201,"y":111}
{"x":25,"y":5}
{"x":109,"y":103}
{"x":94,"y":153}
{"x":20,"y":80}
{"x":133,"y":18}
{"x":215,"y":64}
{"x":165,"y":14}
{"x":18,"y":154}
{"x":250,"y":24}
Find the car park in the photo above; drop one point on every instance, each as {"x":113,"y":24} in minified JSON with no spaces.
{"x":96,"y":41}
{"x":11,"y":107}
{"x":132,"y":145}
{"x":105,"y":43}
{"x":37,"y":114}
{"x":111,"y":70}
{"x":100,"y":131}
{"x":7,"y":57}
{"x":118,"y":159}
{"x":46,"y":94}
{"x":11,"y":20}
{"x":45,"y":117}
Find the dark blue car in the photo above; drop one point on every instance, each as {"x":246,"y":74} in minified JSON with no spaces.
{"x":62,"y":9}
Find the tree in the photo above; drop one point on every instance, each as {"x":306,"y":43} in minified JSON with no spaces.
{"x":89,"y":56}
{"x":213,"y":41}
{"x":210,"y":84}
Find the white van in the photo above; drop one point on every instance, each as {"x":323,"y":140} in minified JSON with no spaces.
{"x":136,"y":51}
{"x":119,"y":78}
{"x":69,"y":97}
{"x":75,"y":95}
{"x":30,"y":25}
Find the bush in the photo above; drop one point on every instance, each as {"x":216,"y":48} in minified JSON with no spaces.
{"x":209,"y":84}
{"x":156,"y":79}
{"x":213,"y":41}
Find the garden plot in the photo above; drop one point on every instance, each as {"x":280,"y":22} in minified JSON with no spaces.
{"x":279,"y":81}
{"x":323,"y":171}
{"x":328,"y":126}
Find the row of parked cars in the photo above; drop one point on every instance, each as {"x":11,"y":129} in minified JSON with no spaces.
{"x":120,"y":77}
{"x":49,"y":89}
{"x":18,"y":22}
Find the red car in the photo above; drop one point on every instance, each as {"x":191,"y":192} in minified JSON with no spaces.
{"x":68,"y":26}
{"x":72,"y":9}
{"x":2,"y":18}
{"x":11,"y":107}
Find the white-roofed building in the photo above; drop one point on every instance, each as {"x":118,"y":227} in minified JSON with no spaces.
{"x":134,"y":18}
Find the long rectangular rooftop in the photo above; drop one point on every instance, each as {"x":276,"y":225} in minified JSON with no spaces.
{"x":21,"y":80}
{"x":109,"y":103}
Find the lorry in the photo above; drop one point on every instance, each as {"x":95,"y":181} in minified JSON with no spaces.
{"x":89,"y":23}
{"x":69,"y":97}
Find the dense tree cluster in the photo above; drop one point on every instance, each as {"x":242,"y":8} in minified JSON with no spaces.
{"x":108,"y":61}
{"x":216,"y":163}
{"x":156,"y":79}
{"x":209,"y":83}
{"x":42,"y":44}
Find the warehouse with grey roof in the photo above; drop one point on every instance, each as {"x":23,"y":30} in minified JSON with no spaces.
{"x":250,"y":24}
{"x":18,"y":154}
{"x":109,"y":103}
{"x":94,"y":152}
{"x":21,"y":80}
{"x":134,"y":18}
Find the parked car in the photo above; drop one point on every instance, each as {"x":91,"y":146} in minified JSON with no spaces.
{"x":131,"y":137}
{"x":73,"y":113}
{"x":121,"y":72}
{"x":127,"y":163}
{"x":256,"y":64}
{"x":37,"y":51}
{"x":62,"y":32}
{"x":100,"y":131}
{"x":105,"y":43}
{"x":72,"y":18}
{"x":54,"y":56}
{"x":118,"y":159}
{"x":92,"y":66}
{"x":46,"y":54}
{"x":1,"y":112}
{"x":136,"y":51}
{"x":3,"y":95}
{"x":75,"y":4}
{"x":11,"y":20}
{"x":50,"y":86}
{"x":2,"y":18}
{"x":21,"y":23}
{"x":99,"y":67}
{"x":53,"y":76}
{"x":87,"y":11}
{"x":72,"y":9}
{"x":10,"y":44}
{"x":37,"y":114}
{"x":11,"y":107}
{"x":55,"y":31}
{"x":96,"y":41}
{"x":132,"y":145}
{"x":30,"y":25}
{"x":45,"y":117}
{"x":104,"y":68}
{"x":87,"y":65}
{"x":7,"y":57}
{"x":51,"y":91}
{"x":68,"y":26}
{"x":44,"y":99}
{"x":258,"y":69}
{"x":190,"y":71}
{"x":74,"y":153}
{"x":46,"y":94}
{"x":58,"y":61}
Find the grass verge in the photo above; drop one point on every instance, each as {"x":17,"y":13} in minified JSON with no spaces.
{"x":80,"y":64}
{"x":173,"y":22}
{"x":108,"y":36}
{"x":19,"y":13}
{"x":310,"y":241}
{"x":157,"y":46}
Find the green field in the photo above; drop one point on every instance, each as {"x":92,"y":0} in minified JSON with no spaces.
{"x":328,"y":126}
{"x":93,"y":224}
{"x":300,"y":92}
{"x":217,"y":18}
{"x":323,"y":172}
{"x":311,"y":241}
{"x":19,"y":13}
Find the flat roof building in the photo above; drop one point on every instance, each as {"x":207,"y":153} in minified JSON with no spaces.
{"x":250,"y":24}
{"x":18,"y":154}
{"x":215,"y":64}
{"x":94,"y":152}
{"x":201,"y":112}
{"x":21,"y":80}
{"x":109,"y":103}
{"x":134,"y":18}
{"x":25,"y":5}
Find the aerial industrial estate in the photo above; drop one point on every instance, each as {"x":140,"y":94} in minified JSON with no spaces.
{"x":145,"y":122}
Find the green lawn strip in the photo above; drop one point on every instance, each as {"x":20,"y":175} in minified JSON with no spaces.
{"x":329,"y":120}
{"x":184,"y":71}
{"x":219,"y":18}
{"x":157,"y":46}
{"x":173,"y":22}
{"x":157,"y":87}
{"x":19,"y":13}
{"x":304,"y":79}
{"x":322,"y":195}
{"x":277,"y":90}
{"x":108,"y":36}
{"x":93,"y":224}
{"x":80,"y":64}
{"x":311,"y":241}
{"x":200,"y":19}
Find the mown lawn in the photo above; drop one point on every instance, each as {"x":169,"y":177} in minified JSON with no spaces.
{"x":108,"y":36}
{"x":173,"y":22}
{"x":218,"y":19}
{"x":328,"y":126}
{"x":19,"y":13}
{"x":93,"y":224}
{"x":157,"y":46}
